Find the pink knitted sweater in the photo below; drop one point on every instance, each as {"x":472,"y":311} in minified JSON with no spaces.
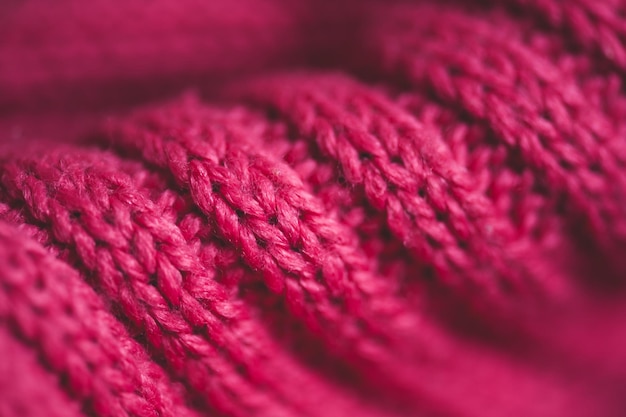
{"x":299,"y":208}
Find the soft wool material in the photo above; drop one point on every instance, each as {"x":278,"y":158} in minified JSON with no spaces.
{"x":283,"y":208}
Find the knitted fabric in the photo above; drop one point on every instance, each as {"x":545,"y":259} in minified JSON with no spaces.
{"x":282,"y":208}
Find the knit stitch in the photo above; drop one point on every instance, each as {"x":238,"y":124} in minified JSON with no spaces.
{"x":283,"y":208}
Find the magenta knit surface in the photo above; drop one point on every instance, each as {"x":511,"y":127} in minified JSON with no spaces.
{"x":298,"y":208}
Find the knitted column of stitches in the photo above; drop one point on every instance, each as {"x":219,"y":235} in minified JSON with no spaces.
{"x":427,"y":229}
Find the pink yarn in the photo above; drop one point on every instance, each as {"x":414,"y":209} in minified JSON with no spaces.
{"x":427,"y":217}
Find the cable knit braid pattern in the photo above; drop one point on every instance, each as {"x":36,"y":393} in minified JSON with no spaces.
{"x":280,"y":208}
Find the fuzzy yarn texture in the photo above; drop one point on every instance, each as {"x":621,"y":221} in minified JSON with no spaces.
{"x":281,"y":208}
